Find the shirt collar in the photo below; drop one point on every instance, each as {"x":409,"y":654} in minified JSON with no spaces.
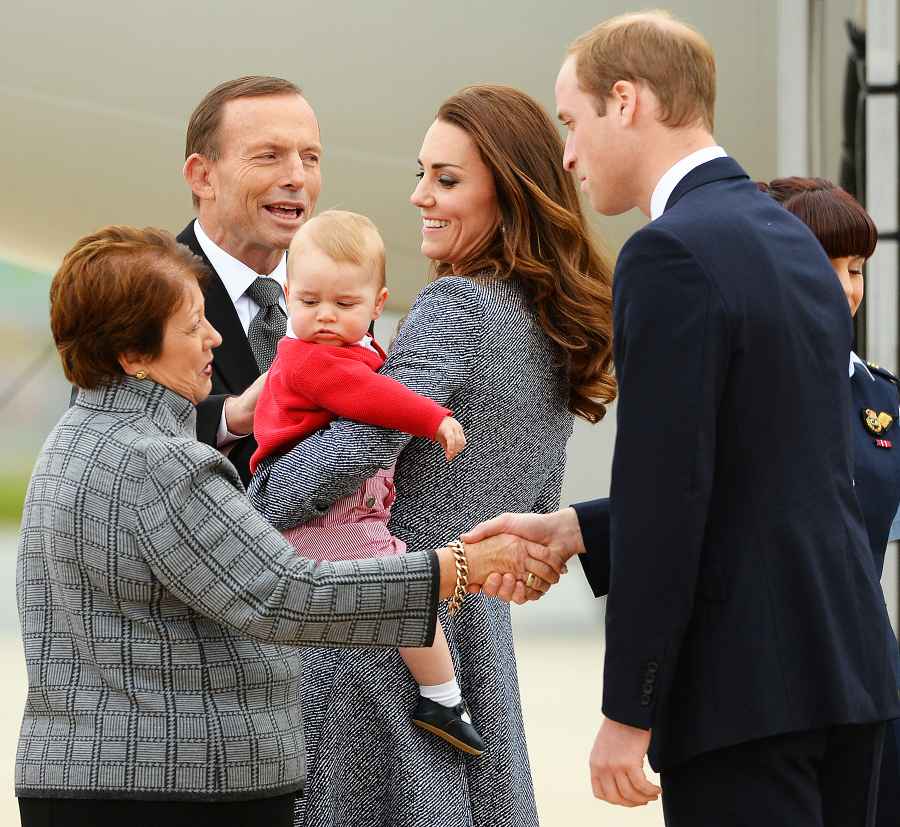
{"x":666,"y":185}
{"x":235,"y":275}
{"x":368,"y":343}
{"x":854,"y":361}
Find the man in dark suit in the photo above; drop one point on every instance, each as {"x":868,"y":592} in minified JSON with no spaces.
{"x":748,"y":648}
{"x":252,"y":163}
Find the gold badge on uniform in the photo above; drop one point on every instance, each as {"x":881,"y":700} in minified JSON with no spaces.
{"x":876,"y":423}
{"x":870,"y":420}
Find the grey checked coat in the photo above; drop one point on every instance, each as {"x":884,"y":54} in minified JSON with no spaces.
{"x":160,"y":613}
{"x":475,"y":346}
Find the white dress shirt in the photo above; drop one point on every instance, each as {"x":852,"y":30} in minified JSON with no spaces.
{"x":666,"y":185}
{"x":854,"y":361}
{"x":237,"y":278}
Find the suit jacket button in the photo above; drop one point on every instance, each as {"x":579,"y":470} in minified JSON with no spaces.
{"x":648,"y":688}
{"x":645,"y":700}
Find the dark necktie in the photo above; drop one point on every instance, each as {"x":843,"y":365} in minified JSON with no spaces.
{"x":269,"y":324}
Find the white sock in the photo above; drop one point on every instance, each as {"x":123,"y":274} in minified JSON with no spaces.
{"x":446,"y":694}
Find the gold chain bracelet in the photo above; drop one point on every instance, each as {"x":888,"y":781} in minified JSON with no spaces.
{"x":462,"y":577}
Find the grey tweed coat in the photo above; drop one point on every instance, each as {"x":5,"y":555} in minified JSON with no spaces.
{"x":157,"y":606}
{"x":474,"y":346}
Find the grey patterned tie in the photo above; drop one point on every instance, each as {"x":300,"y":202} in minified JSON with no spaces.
{"x":269,"y":324}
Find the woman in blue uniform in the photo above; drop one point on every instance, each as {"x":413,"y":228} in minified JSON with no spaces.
{"x":848,"y":234}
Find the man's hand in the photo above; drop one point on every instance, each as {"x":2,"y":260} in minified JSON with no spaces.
{"x":558,"y":531}
{"x":617,"y":765}
{"x":451,"y":437}
{"x":239,"y":410}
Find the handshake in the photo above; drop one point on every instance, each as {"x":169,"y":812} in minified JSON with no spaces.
{"x":517,"y":557}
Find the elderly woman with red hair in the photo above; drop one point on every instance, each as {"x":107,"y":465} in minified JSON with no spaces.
{"x":160,"y":613}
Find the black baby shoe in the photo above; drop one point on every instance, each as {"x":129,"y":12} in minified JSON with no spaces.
{"x":447,"y":722}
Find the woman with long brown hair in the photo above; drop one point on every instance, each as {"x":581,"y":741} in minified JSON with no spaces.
{"x":513,"y":335}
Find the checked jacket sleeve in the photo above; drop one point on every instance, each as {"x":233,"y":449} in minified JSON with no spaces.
{"x":206,"y":545}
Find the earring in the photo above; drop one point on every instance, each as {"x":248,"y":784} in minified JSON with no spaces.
{"x":141,"y":374}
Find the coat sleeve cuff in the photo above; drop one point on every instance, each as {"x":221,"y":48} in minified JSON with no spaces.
{"x":209,"y":417}
{"x":435,"y":598}
{"x":593,"y":519}
{"x":631,"y":689}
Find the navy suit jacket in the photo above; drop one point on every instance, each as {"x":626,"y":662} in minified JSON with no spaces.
{"x":234,"y":366}
{"x":743,"y":599}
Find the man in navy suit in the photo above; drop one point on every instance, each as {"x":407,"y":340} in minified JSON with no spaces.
{"x":740,"y":651}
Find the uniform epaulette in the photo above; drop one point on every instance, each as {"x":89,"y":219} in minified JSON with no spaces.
{"x":882,"y":372}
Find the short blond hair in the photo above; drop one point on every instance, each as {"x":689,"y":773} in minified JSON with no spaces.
{"x":345,"y":237}
{"x":674,"y":61}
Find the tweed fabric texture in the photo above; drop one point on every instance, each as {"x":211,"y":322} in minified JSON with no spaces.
{"x":270,"y":322}
{"x":473,"y":346}
{"x":156,"y":608}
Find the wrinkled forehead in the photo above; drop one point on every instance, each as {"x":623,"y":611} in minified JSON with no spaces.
{"x":286,"y":118}
{"x":190,"y":302}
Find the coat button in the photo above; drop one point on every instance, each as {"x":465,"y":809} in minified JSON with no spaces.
{"x":645,"y":700}
{"x":320,"y":505}
{"x":370,"y":502}
{"x":648,"y":688}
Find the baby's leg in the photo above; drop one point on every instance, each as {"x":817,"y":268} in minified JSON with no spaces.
{"x":432,"y":666}
{"x":441,"y":709}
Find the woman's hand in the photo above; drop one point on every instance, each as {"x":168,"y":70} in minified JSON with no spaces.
{"x":451,"y":437}
{"x":510,"y":558}
{"x":558,"y":533}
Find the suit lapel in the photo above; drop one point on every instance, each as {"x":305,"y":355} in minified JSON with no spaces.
{"x":233,"y":360}
{"x":718,"y":169}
